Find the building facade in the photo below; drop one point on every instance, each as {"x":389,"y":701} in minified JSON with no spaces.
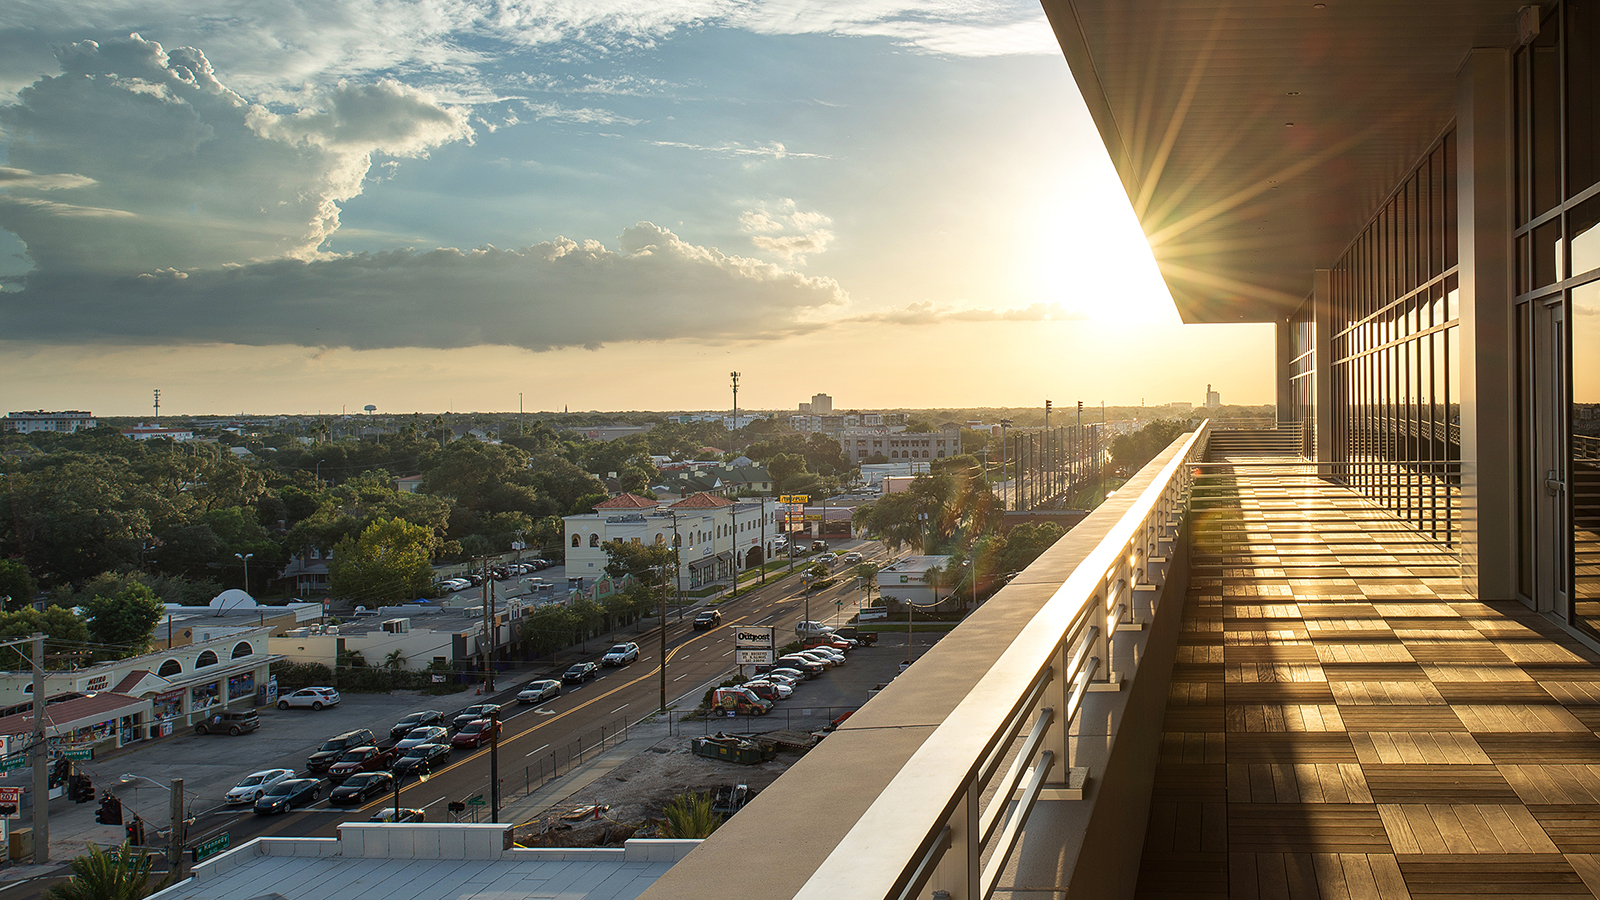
{"x":894,"y":443}
{"x":715,"y":536}
{"x":66,"y":422}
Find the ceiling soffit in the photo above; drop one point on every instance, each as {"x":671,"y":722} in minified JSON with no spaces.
{"x":1256,"y":138}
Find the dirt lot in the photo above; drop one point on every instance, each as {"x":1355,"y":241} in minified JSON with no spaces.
{"x":636,"y":791}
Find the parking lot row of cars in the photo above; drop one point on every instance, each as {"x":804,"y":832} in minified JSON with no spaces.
{"x":778,"y":681}
{"x":498,"y":573}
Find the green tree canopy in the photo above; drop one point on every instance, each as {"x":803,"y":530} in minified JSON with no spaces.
{"x":62,"y":626}
{"x":124,"y":622}
{"x":17,"y":586}
{"x":390,"y":561}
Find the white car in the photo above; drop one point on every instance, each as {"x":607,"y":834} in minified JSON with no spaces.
{"x":311,"y":697}
{"x":807,"y":628}
{"x":428,"y":734}
{"x":783,"y":690}
{"x":829,"y":652}
{"x":255,"y":785}
{"x":620,"y":655}
{"x":540,"y":691}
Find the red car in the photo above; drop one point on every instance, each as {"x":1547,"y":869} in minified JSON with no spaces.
{"x":474,"y":733}
{"x":359,"y":759}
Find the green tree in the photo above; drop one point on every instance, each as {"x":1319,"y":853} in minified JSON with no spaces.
{"x":391,"y":560}
{"x":783,"y":468}
{"x":690,"y":816}
{"x":65,"y":630}
{"x":17,"y":586}
{"x":99,"y":875}
{"x":124,"y":622}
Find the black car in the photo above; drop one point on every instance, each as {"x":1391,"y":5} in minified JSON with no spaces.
{"x":474,"y":713}
{"x":578,"y":673}
{"x":811,"y":667}
{"x":358,"y":789}
{"x":421,"y":758}
{"x":287,"y":794}
{"x":416,"y":720}
{"x":335,"y":747}
{"x":709,"y":619}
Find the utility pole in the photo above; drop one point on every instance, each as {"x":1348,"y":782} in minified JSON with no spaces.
{"x":733,"y":513}
{"x":177,"y":828}
{"x":158,"y":407}
{"x":488,"y":623}
{"x":41,"y":759}
{"x":664,"y":630}
{"x":521,"y":431}
{"x":735,"y":376}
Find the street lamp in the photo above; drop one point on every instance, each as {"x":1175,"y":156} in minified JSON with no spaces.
{"x":421,"y":777}
{"x":177,"y":821}
{"x":245,"y":558}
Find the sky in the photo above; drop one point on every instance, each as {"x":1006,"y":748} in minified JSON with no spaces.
{"x":302,"y":206}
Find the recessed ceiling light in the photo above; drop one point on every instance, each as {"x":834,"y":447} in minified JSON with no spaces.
{"x":1288,"y":124}
{"x":1319,"y":6}
{"x":1294,"y":93}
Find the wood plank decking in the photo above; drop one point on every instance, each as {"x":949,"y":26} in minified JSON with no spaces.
{"x":1344,"y":721}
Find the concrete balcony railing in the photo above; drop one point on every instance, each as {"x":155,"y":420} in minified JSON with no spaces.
{"x":1019,"y":750}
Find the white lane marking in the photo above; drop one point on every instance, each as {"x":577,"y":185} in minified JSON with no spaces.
{"x":620,"y":708}
{"x":536,"y":751}
{"x":681,"y":677}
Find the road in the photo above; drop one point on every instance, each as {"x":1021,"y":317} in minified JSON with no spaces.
{"x":535,"y":736}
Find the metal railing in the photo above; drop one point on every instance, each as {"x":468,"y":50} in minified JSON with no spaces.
{"x":930,"y":825}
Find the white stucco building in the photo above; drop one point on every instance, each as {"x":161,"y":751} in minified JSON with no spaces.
{"x":714,"y":535}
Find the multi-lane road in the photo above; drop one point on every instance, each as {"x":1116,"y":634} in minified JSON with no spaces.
{"x":533,"y":734}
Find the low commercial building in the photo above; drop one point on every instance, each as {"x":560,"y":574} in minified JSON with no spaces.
{"x":910,"y":580}
{"x":143,"y":432}
{"x":65,"y":422}
{"x":895,"y":443}
{"x":426,"y":862}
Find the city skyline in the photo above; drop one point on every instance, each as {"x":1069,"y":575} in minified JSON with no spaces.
{"x":425,"y":205}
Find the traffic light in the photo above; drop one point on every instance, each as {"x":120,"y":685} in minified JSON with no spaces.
{"x":60,"y":771}
{"x":110,"y":811}
{"x":1050,"y":403}
{"x":135,"y":832}
{"x":80,"y":789}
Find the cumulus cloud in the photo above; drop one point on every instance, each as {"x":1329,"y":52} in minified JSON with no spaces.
{"x":930,"y":313}
{"x":580,"y":115}
{"x":168,"y":167}
{"x":782,"y":228}
{"x":562,"y":293}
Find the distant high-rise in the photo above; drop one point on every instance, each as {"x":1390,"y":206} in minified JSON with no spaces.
{"x":1213,"y":399}
{"x":821,"y":405}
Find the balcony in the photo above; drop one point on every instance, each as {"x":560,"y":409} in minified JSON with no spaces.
{"x":1236,"y":679}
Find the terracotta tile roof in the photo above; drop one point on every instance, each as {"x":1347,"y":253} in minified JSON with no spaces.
{"x":627,"y":501}
{"x":130,"y":681}
{"x":702,"y":500}
{"x":62,"y":714}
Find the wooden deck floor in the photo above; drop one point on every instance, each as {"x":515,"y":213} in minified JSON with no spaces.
{"x":1344,"y":722}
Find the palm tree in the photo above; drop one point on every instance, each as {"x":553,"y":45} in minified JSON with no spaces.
{"x":395,"y":660}
{"x":690,"y":816}
{"x":99,"y":875}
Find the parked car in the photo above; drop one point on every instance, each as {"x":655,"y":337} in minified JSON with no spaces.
{"x":820,"y":546}
{"x":421,"y":758}
{"x":287,"y":794}
{"x":428,"y":734}
{"x":474,"y":713}
{"x":416,"y":720}
{"x":816,"y":656}
{"x":805,"y":628}
{"x":786,"y":677}
{"x":621,"y":654}
{"x":709,"y":618}
{"x":334,"y":747}
{"x":475,"y":733}
{"x":359,"y":759}
{"x":358,"y":789}
{"x":825,"y":651}
{"x":255,"y":785}
{"x":828,"y":640}
{"x":539,"y":691}
{"x":851,"y":633}
{"x":769,"y":691}
{"x":240,"y":722}
{"x":810,"y":667}
{"x":578,"y":673}
{"x":311,"y":697}
{"x":406,"y":815}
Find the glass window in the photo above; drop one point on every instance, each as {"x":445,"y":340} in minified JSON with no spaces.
{"x":1583,"y":95}
{"x":1585,"y":242}
{"x":1544,"y":105}
{"x":1583,"y":479}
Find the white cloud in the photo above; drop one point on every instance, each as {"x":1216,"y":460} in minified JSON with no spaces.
{"x":781,"y":227}
{"x":578,"y":115}
{"x":22,"y":178}
{"x":561,"y":293}
{"x":930,"y":313}
{"x":169,"y":168}
{"x":764,"y":150}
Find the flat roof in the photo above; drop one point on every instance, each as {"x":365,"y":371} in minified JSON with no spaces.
{"x":1255,"y":138}
{"x":426,"y":862}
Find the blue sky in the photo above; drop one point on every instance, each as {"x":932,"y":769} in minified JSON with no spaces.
{"x":440,"y":204}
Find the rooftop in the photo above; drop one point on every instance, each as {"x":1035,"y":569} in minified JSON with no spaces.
{"x":425,"y":862}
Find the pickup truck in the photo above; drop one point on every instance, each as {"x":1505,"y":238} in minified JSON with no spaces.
{"x":360,"y":759}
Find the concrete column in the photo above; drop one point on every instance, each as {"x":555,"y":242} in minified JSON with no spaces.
{"x":1322,"y":343}
{"x":1282,"y":370}
{"x":1484,"y":200}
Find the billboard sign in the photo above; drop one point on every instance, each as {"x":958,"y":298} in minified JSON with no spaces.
{"x":753,"y":645}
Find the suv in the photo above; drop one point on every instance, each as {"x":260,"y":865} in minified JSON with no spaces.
{"x":804,"y":629}
{"x":335,"y":747}
{"x":708,"y":619}
{"x":244,"y":720}
{"x":621,"y":655}
{"x":313,"y":697}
